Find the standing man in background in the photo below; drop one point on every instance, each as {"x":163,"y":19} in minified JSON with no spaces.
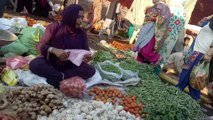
{"x":2,"y":4}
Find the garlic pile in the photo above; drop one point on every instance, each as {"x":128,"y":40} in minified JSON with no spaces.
{"x":92,"y":110}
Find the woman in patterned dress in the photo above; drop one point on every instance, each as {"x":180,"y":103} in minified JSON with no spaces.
{"x":176,"y":31}
{"x":153,"y":32}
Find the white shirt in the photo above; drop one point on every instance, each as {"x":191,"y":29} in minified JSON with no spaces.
{"x":204,"y":39}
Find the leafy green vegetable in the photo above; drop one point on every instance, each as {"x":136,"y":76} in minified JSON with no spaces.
{"x":111,"y":68}
{"x":101,"y":56}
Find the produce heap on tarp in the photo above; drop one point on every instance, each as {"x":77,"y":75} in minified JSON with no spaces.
{"x":149,"y":98}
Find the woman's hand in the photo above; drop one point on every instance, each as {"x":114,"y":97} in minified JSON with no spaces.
{"x":61,"y":54}
{"x":207,"y":58}
{"x":87,"y":58}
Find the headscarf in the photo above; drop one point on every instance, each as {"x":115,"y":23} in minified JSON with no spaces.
{"x":70,"y":16}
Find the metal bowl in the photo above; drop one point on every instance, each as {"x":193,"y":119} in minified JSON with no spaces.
{"x":6,"y":37}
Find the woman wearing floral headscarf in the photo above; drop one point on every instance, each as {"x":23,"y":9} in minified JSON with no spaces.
{"x":153,"y":32}
{"x":58,"y":37}
{"x":176,"y":31}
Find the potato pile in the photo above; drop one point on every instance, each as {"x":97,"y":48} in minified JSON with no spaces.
{"x":29,"y":102}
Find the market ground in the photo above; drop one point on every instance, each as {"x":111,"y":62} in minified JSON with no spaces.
{"x":94,"y":41}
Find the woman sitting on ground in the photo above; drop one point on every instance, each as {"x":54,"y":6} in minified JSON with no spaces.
{"x":58,"y":37}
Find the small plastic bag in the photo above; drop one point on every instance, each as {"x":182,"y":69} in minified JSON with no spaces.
{"x":128,"y":74}
{"x":9,"y":77}
{"x":73,"y":87}
{"x":109,"y":75}
{"x":17,"y":62}
{"x":199,"y":76}
{"x":95,"y":79}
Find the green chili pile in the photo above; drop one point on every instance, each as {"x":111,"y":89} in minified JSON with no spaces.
{"x":163,"y":102}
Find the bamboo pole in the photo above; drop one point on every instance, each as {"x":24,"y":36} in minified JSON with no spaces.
{"x":175,"y":82}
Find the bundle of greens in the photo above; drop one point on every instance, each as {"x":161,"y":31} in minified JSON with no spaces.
{"x":111,"y":68}
{"x":109,"y":71}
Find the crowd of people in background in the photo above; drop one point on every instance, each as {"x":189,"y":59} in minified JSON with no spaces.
{"x":36,"y":7}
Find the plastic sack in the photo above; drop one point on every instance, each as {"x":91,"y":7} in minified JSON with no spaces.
{"x":28,"y":78}
{"x":5,"y":24}
{"x":73,"y":87}
{"x":95,"y":79}
{"x":76,"y":56}
{"x":18,"y":24}
{"x":17,"y":62}
{"x":127,"y":74}
{"x":9,"y":77}
{"x":13,"y":49}
{"x":39,"y":26}
{"x":109,"y":75}
{"x":30,"y":37}
{"x":199,"y":76}
{"x":13,"y":25}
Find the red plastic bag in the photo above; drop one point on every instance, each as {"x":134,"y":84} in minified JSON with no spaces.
{"x":73,"y":87}
{"x":17,"y":62}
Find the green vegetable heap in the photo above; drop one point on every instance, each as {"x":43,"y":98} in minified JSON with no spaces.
{"x":130,"y":64}
{"x":163,"y":102}
{"x":101,"y":56}
{"x":111,"y":68}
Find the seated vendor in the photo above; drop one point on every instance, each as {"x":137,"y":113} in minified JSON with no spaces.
{"x":58,"y":37}
{"x":176,"y":60}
